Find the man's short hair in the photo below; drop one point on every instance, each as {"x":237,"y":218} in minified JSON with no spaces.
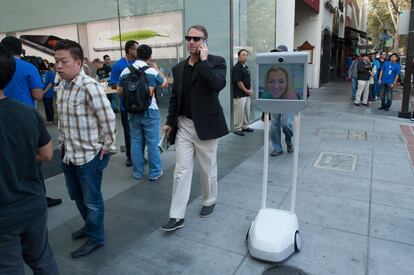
{"x":7,"y":66}
{"x":105,"y":56}
{"x":13,"y":44}
{"x":97,"y":60}
{"x":199,"y":28}
{"x":144,"y":52}
{"x":242,"y":50}
{"x":129,"y":44}
{"x":73,"y":47}
{"x":396,"y":55}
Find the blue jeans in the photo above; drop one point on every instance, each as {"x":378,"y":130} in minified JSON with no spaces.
{"x":84,"y":187}
{"x":27,"y":241}
{"x":284,"y":121}
{"x":386,"y":96}
{"x":127,"y":133}
{"x":48,"y":104}
{"x":354,"y":86}
{"x":145,"y":129}
{"x":376,"y":86}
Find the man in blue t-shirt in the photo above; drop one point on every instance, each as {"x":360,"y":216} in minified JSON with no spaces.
{"x":145,"y":127}
{"x":48,"y":79}
{"x":25,"y":86}
{"x":390,"y":72}
{"x":131,"y":47}
{"x":23,"y":213}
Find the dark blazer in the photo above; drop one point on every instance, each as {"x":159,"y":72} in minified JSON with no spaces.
{"x":364,"y":70}
{"x":209,"y":78}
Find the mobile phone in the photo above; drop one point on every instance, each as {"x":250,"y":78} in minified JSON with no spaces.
{"x":205,"y":43}
{"x":44,"y":43}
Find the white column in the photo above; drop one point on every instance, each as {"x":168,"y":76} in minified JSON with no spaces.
{"x":285,"y":23}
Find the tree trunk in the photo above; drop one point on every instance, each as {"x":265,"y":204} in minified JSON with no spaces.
{"x":397,"y":36}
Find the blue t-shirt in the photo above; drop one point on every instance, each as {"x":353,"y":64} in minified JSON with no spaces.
{"x":48,"y":77}
{"x":25,"y":78}
{"x":117,"y":69}
{"x":389,"y":71}
{"x":154,"y":80}
{"x":377,"y":65}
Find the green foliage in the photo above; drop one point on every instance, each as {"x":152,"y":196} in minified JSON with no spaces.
{"x":380,"y":17}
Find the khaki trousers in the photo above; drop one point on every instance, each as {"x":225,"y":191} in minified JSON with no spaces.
{"x":241,"y":113}
{"x":363,"y":89}
{"x":188,"y":146}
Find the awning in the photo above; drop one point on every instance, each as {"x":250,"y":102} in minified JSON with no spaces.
{"x":314,"y":4}
{"x":353,"y":33}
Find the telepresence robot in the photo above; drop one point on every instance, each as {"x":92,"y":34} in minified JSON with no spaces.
{"x":274,"y":233}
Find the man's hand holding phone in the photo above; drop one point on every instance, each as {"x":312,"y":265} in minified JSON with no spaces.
{"x":203,"y":51}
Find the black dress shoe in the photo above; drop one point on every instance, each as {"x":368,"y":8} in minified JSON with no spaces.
{"x":128,"y":163}
{"x":248,"y":130}
{"x":381,"y":108}
{"x":206,"y":210}
{"x":79,"y":234}
{"x":87,"y":248}
{"x":52,"y":202}
{"x":173,"y":224}
{"x":239,"y":133}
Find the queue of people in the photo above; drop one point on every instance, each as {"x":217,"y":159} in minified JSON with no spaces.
{"x":374,"y":78}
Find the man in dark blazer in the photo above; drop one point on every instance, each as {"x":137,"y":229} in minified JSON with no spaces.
{"x":195,"y":123}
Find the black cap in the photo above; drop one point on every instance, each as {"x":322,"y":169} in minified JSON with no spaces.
{"x":281,"y":48}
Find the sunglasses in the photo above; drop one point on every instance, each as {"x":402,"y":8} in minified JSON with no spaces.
{"x":195,"y":38}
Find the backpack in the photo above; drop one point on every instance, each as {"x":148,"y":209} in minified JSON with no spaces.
{"x":137,"y":96}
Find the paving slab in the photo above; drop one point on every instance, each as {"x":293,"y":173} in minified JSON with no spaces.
{"x":163,"y":253}
{"x":249,"y":197}
{"x":332,"y":185}
{"x":390,"y":258}
{"x":320,"y":254}
{"x":393,"y":194}
{"x":398,"y":172}
{"x":211,"y":231}
{"x":334,"y":212}
{"x":392,"y":223}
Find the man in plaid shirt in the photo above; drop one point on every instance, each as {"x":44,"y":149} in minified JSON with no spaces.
{"x":86,"y":135}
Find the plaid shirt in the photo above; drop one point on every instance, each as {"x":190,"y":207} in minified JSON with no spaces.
{"x":86,"y":122}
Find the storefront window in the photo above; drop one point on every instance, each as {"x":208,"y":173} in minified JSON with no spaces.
{"x":254,"y":29}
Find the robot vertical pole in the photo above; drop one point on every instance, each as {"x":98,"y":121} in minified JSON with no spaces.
{"x":296,"y":134}
{"x":265,"y":159}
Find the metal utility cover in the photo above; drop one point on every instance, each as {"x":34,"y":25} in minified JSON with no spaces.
{"x":336,"y":161}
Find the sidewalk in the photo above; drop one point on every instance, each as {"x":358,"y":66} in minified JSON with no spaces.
{"x":356,"y":213}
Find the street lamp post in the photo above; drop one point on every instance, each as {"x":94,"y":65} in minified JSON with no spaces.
{"x":408,"y":67}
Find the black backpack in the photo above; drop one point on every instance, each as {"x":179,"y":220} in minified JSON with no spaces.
{"x":137,"y":96}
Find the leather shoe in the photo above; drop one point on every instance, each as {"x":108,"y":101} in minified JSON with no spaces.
{"x":52,"y":202}
{"x":128,"y":163}
{"x":249,"y":130}
{"x":79,"y":234}
{"x":206,"y":210}
{"x":87,"y":248}
{"x":239,"y":133}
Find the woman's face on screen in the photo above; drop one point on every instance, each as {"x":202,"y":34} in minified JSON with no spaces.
{"x":277,"y":83}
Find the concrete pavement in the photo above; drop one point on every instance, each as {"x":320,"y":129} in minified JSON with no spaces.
{"x":355,"y":206}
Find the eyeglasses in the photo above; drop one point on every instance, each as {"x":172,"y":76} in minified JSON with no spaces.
{"x":195,"y":38}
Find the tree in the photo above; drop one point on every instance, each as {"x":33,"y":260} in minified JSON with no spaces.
{"x":384,"y":17}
